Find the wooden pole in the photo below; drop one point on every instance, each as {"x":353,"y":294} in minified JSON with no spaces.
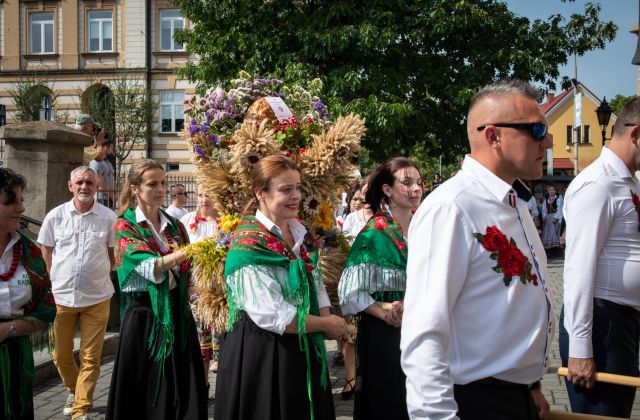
{"x":609,"y":378}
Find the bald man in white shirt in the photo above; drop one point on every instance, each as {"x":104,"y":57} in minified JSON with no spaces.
{"x":478,"y":321}
{"x":601,"y":315}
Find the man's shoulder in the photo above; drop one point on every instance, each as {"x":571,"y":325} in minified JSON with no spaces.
{"x":594,"y":176}
{"x":453,"y":190}
{"x":104,"y":211}
{"x":61,"y":210}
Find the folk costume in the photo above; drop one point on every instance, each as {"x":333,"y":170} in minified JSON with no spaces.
{"x":552,"y":212}
{"x":376,"y":272}
{"x":263,"y":372}
{"x":29,"y":292}
{"x":158,"y":370}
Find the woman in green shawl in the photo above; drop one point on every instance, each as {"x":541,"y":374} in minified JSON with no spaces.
{"x":158,"y":371}
{"x":26,"y":306}
{"x":373,"y":284}
{"x":272,"y":362}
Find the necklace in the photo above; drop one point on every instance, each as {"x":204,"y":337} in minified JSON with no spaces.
{"x":17,"y":248}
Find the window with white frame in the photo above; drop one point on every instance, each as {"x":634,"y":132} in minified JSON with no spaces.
{"x":41,"y":33}
{"x":170,"y":21}
{"x":171,"y":107}
{"x":100,"y":31}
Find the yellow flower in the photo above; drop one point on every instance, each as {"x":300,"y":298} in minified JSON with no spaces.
{"x":324,"y":218}
{"x":228,"y":222}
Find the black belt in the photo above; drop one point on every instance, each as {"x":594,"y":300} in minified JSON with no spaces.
{"x":501,"y":383}
{"x":621,"y":309}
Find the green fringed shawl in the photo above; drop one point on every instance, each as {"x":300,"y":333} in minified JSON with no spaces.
{"x":379,"y":244}
{"x":41,"y":307}
{"x":135,"y":243}
{"x":253,"y":245}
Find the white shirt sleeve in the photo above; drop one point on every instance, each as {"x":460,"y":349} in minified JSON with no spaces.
{"x":584,"y":243}
{"x":533,"y":207}
{"x":260,"y":296}
{"x":559,"y":203}
{"x":353,"y":299}
{"x":436,"y":273}
{"x":46,"y":236}
{"x":323,"y":296}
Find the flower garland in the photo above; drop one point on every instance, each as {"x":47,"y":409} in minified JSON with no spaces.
{"x":15,"y":261}
{"x":510,"y":260}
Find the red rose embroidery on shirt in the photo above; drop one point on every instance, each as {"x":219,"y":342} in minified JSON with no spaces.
{"x":380,"y":223}
{"x":636,"y":203}
{"x":510,"y":260}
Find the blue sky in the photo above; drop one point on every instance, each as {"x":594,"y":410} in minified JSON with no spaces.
{"x":606,"y":72}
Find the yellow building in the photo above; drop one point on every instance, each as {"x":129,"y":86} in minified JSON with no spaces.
{"x":560,"y":114}
{"x":76,"y":46}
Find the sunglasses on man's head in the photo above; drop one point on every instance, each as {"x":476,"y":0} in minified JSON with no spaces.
{"x":537,"y":130}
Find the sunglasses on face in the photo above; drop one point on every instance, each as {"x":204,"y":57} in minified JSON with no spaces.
{"x":537,"y":130}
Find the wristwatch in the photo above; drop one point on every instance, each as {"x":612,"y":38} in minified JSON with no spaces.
{"x":12,"y":330}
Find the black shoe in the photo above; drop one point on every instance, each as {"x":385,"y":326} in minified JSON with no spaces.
{"x":338,"y":359}
{"x":348,"y":394}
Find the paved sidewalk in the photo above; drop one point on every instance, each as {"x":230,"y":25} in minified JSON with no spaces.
{"x":49,"y":397}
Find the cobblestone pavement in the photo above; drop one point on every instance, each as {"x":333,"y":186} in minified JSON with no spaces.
{"x":49,"y":398}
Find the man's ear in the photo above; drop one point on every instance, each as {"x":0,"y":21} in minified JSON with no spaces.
{"x":491,"y":136}
{"x":635,"y":133}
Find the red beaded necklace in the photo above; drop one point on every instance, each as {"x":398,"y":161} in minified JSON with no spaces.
{"x":17,"y":248}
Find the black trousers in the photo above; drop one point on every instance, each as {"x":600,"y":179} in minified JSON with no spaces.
{"x":494,"y":401}
{"x":615,"y":338}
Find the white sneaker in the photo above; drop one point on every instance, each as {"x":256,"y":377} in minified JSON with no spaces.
{"x":68,"y":407}
{"x":85,"y":417}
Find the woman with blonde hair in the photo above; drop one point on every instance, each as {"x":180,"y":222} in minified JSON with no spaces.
{"x":158,"y":371}
{"x":272,"y":362}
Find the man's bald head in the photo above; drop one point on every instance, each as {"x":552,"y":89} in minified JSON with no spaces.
{"x":492,"y":104}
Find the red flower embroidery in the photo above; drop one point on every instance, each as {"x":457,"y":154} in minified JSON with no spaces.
{"x":494,"y":240}
{"x":275,"y":245}
{"x":510,"y":260}
{"x":636,"y":203}
{"x":399,"y":244}
{"x":380,"y":224}
{"x":34,"y":251}
{"x":122,"y":244}
{"x":247,"y":241}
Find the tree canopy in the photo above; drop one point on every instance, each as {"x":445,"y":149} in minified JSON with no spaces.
{"x":408,"y":67}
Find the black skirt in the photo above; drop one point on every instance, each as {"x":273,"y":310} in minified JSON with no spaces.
{"x":144,"y":389}
{"x":381,"y":391}
{"x":16,"y":377}
{"x":263,"y":375}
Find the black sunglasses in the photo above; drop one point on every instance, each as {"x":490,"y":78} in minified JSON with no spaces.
{"x":537,"y":130}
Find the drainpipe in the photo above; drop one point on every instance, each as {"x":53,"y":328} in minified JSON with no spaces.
{"x":148,"y":68}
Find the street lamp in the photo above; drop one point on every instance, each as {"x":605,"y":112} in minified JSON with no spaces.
{"x":604,"y":114}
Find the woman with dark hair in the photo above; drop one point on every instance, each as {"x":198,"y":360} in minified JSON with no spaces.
{"x":158,"y":371}
{"x":27,"y":305}
{"x":373,"y":284}
{"x":272,"y":362}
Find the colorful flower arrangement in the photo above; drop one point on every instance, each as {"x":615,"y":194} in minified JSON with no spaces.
{"x":214,"y":117}
{"x":231,"y":130}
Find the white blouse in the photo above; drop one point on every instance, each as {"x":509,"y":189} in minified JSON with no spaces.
{"x":202,"y":230}
{"x":258,"y":290}
{"x":15,"y":292}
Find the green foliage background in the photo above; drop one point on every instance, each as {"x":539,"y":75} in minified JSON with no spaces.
{"x":408,"y":67}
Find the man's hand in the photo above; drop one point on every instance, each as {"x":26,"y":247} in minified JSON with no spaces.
{"x":582,"y":372}
{"x":541,"y":404}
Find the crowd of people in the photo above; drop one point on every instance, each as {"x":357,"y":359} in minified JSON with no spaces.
{"x":444,"y":305}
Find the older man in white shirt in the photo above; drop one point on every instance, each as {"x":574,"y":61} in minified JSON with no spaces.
{"x":77,"y":245}
{"x":602,"y":273}
{"x":478,"y":319}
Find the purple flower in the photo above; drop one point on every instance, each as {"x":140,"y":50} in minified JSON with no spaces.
{"x":193,"y":129}
{"x":214,"y":139}
{"x":200,"y":151}
{"x":203,"y":129}
{"x":321,"y":109}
